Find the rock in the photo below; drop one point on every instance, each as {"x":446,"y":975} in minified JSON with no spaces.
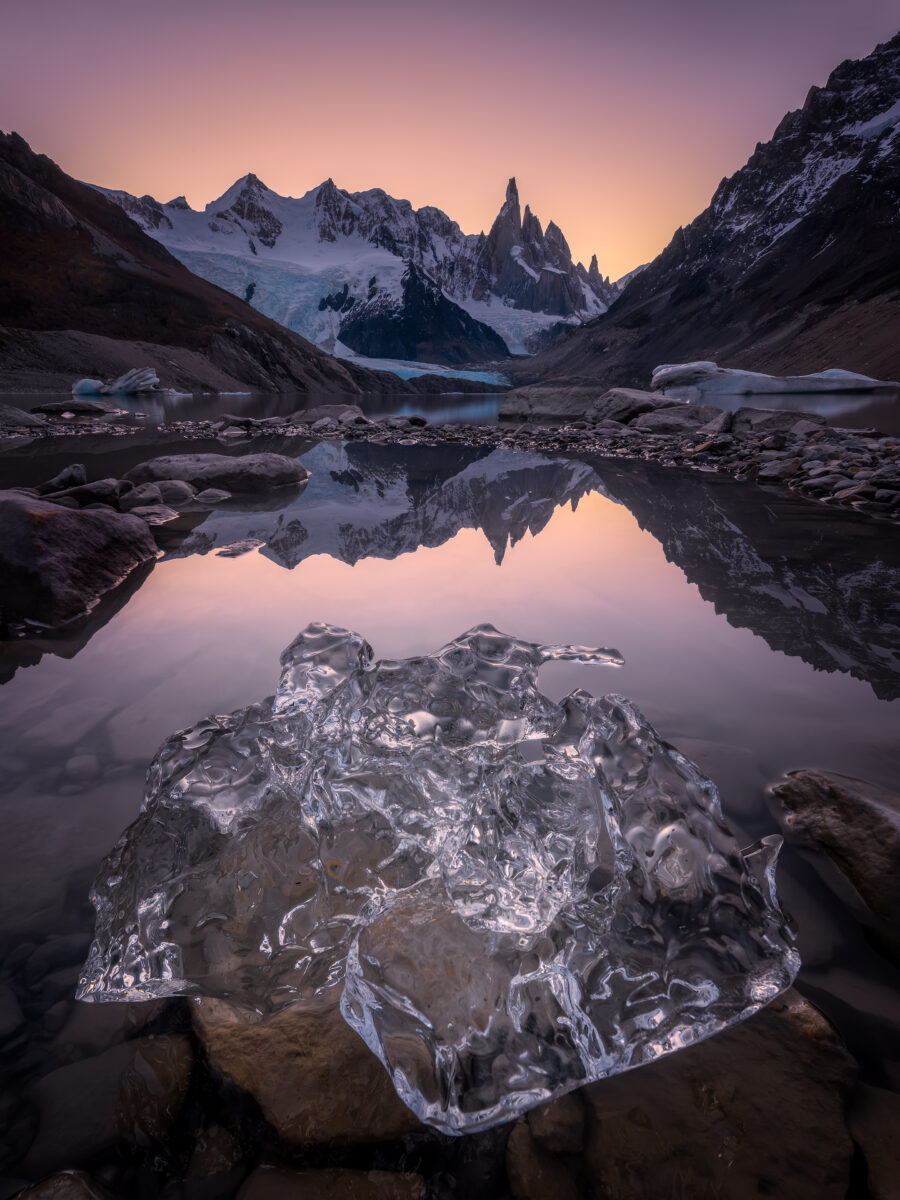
{"x":209,"y":497}
{"x":554,"y":403}
{"x":680,"y":418}
{"x":145,"y":493}
{"x":101,"y":491}
{"x":17,"y":418}
{"x":57,"y":562}
{"x":559,"y":1125}
{"x":335,"y":1183}
{"x":239,"y":473}
{"x":131,"y":1093}
{"x":534,"y":1174}
{"x":755,"y":1111}
{"x":89,"y":1029}
{"x":81,"y":408}
{"x":155,"y":514}
{"x":774,"y":472}
{"x":857,"y":825}
{"x":875,"y":1124}
{"x":719,"y":425}
{"x":342,"y":413}
{"x":759,"y":422}
{"x":624,"y":404}
{"x":67,"y":1185}
{"x":68,"y":477}
{"x":313,"y":1077}
{"x":10,"y":1013}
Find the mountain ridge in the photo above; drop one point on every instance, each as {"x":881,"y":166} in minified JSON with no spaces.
{"x":793,"y":266}
{"x":289,"y":254}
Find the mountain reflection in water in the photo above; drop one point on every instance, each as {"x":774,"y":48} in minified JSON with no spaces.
{"x":815,"y":583}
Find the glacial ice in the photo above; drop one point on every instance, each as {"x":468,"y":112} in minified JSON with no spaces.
{"x":132,"y":383}
{"x":507,"y":896}
{"x":699,"y":381}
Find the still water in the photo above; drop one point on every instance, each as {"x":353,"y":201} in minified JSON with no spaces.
{"x":760,"y":634}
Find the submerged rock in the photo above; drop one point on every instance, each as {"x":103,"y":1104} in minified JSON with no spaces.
{"x":131,"y":1093}
{"x":857,"y":825}
{"x":516,"y":896}
{"x":758,"y":1111}
{"x":57,"y":562}
{"x":67,"y":1185}
{"x":241,"y":473}
{"x":330,"y":1183}
{"x":314,"y":1079}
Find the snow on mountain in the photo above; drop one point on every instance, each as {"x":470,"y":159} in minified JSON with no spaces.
{"x":314,"y":262}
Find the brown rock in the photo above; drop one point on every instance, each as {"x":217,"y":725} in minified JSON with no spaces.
{"x":857,"y":825}
{"x":67,"y":1185}
{"x":313,"y":1077}
{"x":131,"y":1093}
{"x":533,"y":1173}
{"x":755,"y":1111}
{"x":559,"y":1125}
{"x":276,"y":1183}
{"x":875,"y":1125}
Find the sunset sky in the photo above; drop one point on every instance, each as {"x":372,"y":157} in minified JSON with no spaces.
{"x":619,"y":119}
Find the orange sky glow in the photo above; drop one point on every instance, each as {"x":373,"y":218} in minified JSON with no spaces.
{"x":618,"y":120}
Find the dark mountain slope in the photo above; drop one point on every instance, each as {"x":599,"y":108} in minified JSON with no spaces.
{"x":795,"y":265}
{"x":74,"y":261}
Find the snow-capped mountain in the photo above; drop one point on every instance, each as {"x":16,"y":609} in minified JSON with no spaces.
{"x":315,"y":264}
{"x":795,"y":264}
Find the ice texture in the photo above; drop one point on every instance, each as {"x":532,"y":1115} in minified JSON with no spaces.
{"x":132,"y":383}
{"x":508,"y":896}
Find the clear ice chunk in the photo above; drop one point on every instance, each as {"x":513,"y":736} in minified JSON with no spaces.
{"x":507,"y":896}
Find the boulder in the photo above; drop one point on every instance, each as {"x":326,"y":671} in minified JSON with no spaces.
{"x":857,"y":825}
{"x":102,"y":491}
{"x":760,"y":422}
{"x":57,"y":562}
{"x":71,"y":476}
{"x":334,"y":1183}
{"x":144,"y":493}
{"x":81,"y":408}
{"x":17,"y":418}
{"x":67,"y":1185}
{"x":679,"y":418}
{"x":210,"y":497}
{"x":875,"y":1123}
{"x":275,"y":1183}
{"x":551,"y":403}
{"x":559,"y":1125}
{"x":624,"y":404}
{"x":344,"y":414}
{"x":175,"y":492}
{"x":755,"y":1111}
{"x":155,"y":514}
{"x":131,"y":1093}
{"x":315,"y":1080}
{"x":534,"y":1174}
{"x":239,"y":473}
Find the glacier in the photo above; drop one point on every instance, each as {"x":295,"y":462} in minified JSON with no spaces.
{"x":507,"y":896}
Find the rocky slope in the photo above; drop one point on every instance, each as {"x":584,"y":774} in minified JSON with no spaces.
{"x":421,"y":325}
{"x":84,"y":290}
{"x":795,"y":265}
{"x":312,"y":262}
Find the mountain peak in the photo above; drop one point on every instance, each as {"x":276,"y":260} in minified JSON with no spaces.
{"x":512,"y":191}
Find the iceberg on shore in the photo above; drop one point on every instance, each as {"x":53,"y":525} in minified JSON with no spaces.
{"x":696,"y":381}
{"x":133,"y":383}
{"x":507,"y":897}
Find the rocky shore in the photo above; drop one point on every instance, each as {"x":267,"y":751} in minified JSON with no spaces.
{"x":846,"y":468}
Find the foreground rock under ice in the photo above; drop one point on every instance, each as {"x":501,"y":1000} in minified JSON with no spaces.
{"x":508,"y":897}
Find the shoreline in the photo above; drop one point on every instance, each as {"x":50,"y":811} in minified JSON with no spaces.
{"x":854,"y":469}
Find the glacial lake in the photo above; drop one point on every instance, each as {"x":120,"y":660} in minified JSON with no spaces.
{"x":761,"y":633}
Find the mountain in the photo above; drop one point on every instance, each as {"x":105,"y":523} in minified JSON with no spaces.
{"x":793,"y":267}
{"x":422,"y":325}
{"x":309,"y":262}
{"x":84,"y":291}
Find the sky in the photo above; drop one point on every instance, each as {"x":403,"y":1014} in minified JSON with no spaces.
{"x":618,"y":117}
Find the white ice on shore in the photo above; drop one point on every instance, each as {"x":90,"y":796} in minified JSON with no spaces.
{"x":697,"y":381}
{"x":133,"y":383}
